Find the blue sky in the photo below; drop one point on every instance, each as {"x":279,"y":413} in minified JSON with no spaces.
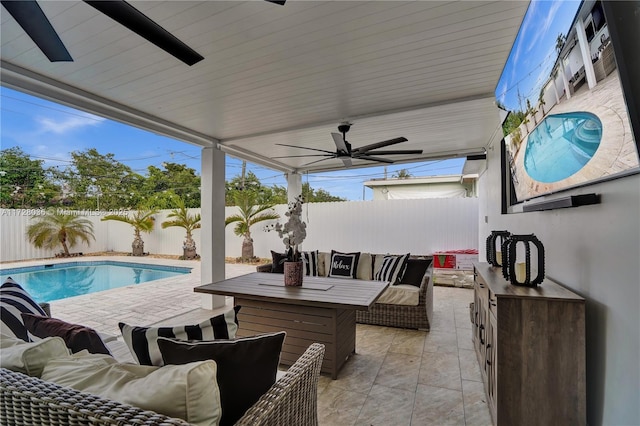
{"x":50,"y":132}
{"x":533,"y":53}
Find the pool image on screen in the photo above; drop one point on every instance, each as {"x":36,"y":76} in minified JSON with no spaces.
{"x":561,"y":145}
{"x":567,"y":123}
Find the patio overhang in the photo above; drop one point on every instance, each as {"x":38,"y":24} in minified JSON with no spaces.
{"x":283,"y":74}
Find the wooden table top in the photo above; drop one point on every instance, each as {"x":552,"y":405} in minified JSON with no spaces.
{"x":325,"y":292}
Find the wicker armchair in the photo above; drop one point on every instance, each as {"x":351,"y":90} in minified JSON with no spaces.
{"x":26,"y":400}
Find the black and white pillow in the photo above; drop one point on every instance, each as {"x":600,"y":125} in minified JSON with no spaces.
{"x":392,"y":268}
{"x":14,"y":301}
{"x":143,"y":341}
{"x":343,"y":265}
{"x":310,"y":259}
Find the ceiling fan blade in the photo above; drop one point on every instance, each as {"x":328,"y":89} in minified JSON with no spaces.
{"x":34,"y":22}
{"x":396,"y":152}
{"x":346,"y":161}
{"x":380,"y":144}
{"x":341,"y":144}
{"x":280,"y":2}
{"x":314,"y":162}
{"x":127,"y":15}
{"x":304,"y":147}
{"x":378,"y":159}
{"x":306,"y":155}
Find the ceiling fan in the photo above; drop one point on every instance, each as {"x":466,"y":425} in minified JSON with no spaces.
{"x":346,"y":153}
{"x":34,"y":22}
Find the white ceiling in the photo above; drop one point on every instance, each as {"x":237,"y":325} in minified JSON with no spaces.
{"x":290,"y":74}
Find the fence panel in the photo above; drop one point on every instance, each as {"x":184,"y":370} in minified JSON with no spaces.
{"x":382,"y":226}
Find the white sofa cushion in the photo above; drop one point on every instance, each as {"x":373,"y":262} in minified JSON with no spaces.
{"x":30,"y":357}
{"x":401,"y":294}
{"x":188,"y":391}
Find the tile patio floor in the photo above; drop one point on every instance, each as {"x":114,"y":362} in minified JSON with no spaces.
{"x":396,"y":377}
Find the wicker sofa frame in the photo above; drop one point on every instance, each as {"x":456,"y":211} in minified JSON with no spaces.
{"x":401,"y":316}
{"x":26,"y":400}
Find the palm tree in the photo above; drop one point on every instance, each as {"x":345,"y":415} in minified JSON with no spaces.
{"x":250,"y":214}
{"x":560,"y":41}
{"x":59,"y":228}
{"x":142,"y":221}
{"x":183,"y":219}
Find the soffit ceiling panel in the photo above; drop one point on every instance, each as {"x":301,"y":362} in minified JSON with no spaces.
{"x":289,"y":72}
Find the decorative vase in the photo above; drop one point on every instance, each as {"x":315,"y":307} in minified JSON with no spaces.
{"x":494,"y":257}
{"x":519,"y":273}
{"x":293,"y":273}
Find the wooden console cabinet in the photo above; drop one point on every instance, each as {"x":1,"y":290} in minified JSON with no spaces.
{"x":530,"y":343}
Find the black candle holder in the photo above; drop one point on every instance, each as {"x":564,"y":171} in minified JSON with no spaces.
{"x":495,"y":237}
{"x":509,"y":259}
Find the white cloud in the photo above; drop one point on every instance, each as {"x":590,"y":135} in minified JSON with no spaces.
{"x":67,"y":124}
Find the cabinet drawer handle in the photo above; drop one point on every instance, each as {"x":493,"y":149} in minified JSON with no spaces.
{"x":488,"y":347}
{"x":481,"y":336}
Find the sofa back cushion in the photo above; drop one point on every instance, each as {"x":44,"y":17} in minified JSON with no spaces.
{"x":188,"y":392}
{"x":30,"y":357}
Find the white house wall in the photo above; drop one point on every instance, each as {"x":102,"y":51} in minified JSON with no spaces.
{"x":395,"y":226}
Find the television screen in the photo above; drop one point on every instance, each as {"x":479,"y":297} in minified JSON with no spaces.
{"x":567,"y":124}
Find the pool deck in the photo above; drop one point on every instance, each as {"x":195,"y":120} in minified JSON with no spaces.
{"x":139,"y":304}
{"x":396,"y":377}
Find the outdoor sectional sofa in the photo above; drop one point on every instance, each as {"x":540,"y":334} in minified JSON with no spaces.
{"x":403,"y":304}
{"x":26,"y":400}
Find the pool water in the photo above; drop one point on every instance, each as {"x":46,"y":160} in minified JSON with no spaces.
{"x":62,"y":280}
{"x":561,"y":145}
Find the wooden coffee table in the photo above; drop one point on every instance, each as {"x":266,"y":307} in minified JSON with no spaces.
{"x":322,"y":310}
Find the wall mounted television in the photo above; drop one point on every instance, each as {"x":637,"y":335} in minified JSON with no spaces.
{"x":569,"y":105}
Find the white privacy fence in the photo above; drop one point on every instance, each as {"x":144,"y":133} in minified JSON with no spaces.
{"x":383,"y":226}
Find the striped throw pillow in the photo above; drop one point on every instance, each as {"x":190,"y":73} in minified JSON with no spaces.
{"x":143,"y":341}
{"x":14,"y":301}
{"x":392,"y":268}
{"x":310,"y":259}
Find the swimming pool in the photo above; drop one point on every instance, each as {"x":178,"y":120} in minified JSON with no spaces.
{"x":62,"y":280}
{"x":561,"y":145}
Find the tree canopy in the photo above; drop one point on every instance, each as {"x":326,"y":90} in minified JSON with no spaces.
{"x":93,"y":180}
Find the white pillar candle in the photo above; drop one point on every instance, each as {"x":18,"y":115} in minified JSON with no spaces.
{"x":499,"y":258}
{"x":521,"y":272}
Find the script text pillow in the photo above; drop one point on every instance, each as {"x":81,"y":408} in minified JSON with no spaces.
{"x":247,"y":367}
{"x":76,"y":337}
{"x":392,"y":268}
{"x":188,"y":392}
{"x":343,"y":265}
{"x":143,"y":341}
{"x":30,"y":357}
{"x":310,"y":259}
{"x":14,"y":301}
{"x":414,"y":272}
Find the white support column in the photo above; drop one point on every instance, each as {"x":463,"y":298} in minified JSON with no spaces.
{"x":212,"y":231}
{"x":294,"y":186}
{"x":590,"y":74}
{"x":565,"y":82}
